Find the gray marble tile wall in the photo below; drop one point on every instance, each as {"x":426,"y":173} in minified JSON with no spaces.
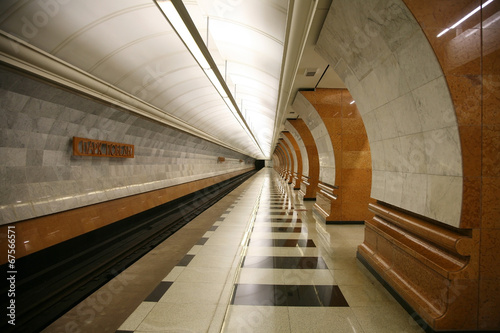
{"x":382,"y":55}
{"x":39,"y":175}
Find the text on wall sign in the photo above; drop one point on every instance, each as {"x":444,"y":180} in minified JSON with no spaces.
{"x":89,"y":147}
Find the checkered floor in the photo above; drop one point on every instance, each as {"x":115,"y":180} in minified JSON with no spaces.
{"x":267,"y":265}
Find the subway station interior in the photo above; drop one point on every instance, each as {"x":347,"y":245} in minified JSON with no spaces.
{"x":250,"y":166}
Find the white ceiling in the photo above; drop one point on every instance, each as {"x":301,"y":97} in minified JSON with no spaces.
{"x":131,"y":46}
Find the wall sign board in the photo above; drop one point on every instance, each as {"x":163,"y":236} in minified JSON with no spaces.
{"x":89,"y":147}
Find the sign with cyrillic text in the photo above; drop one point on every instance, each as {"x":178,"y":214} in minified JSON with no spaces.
{"x":89,"y":147}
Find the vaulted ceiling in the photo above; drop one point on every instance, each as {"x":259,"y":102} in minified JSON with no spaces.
{"x":257,"y":52}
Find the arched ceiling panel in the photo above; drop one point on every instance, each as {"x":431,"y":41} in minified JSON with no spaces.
{"x":129,"y":45}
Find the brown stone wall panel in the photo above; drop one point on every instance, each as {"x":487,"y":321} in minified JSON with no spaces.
{"x":465,"y":92}
{"x":429,"y":285}
{"x":355,"y":211}
{"x":470,"y":141}
{"x":385,"y":249}
{"x":471,"y":211}
{"x":357,"y":176}
{"x":352,"y":125}
{"x":491,"y":151}
{"x":356,"y":160}
{"x":490,"y":206}
{"x":461,"y":311}
{"x":489,"y":292}
{"x":355,"y":142}
{"x":490,"y":249}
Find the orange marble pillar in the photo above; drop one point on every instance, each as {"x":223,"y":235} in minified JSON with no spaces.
{"x":308,"y":188}
{"x":469,"y":56}
{"x":298,"y":174}
{"x":352,"y":154}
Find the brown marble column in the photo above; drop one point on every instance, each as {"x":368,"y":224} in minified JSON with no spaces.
{"x":469,"y":56}
{"x":298,"y":174}
{"x":308,"y":188}
{"x":352,"y":155}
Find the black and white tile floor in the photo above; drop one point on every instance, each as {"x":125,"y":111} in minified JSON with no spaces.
{"x":267,"y":265}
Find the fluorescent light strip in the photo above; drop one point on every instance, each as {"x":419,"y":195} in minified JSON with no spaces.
{"x":465,"y":18}
{"x":182,"y":30}
{"x":352,"y":102}
{"x":176,"y":21}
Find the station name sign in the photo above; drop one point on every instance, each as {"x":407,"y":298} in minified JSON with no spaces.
{"x":89,"y":147}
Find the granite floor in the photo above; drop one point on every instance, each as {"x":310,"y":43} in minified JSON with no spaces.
{"x":258,"y":261}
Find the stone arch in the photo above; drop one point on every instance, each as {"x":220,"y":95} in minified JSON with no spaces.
{"x":382,"y":55}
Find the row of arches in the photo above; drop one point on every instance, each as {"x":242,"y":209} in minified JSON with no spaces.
{"x":428,"y":102}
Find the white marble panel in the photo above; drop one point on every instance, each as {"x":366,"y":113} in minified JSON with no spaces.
{"x":346,"y":74}
{"x":405,"y":115}
{"x":386,"y":122}
{"x":377,"y":155}
{"x":391,"y":80}
{"x":302,"y":148}
{"x":444,"y":199}
{"x":394,"y":188}
{"x":413,"y":156}
{"x":414,"y":193}
{"x":443,"y":152}
{"x":371,"y":126}
{"x":378,"y":184}
{"x":370,"y":86}
{"x":392,"y":151}
{"x":434,"y":105}
{"x":418,"y":61}
{"x":294,"y":155}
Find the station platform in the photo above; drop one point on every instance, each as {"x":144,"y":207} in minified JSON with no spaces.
{"x":256,"y":261}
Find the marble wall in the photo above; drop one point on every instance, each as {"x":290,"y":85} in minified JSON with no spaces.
{"x":302,"y":148}
{"x":292,"y":153}
{"x":320,"y":134}
{"x":40,"y":176}
{"x":348,"y":138}
{"x":469,"y":56}
{"x":385,"y":60}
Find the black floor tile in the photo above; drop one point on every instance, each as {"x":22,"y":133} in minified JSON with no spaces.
{"x":288,"y":295}
{"x":158,"y":292}
{"x":279,"y":229}
{"x":282,"y":242}
{"x":186,"y":260}
{"x":202,"y":241}
{"x":213,"y":228}
{"x":259,"y":294}
{"x":266,"y":212}
{"x":277,"y":219}
{"x":310,"y":295}
{"x":284,"y":262}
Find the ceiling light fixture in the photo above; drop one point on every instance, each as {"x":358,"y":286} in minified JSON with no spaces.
{"x":178,"y":17}
{"x":352,"y":102}
{"x":465,"y":18}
